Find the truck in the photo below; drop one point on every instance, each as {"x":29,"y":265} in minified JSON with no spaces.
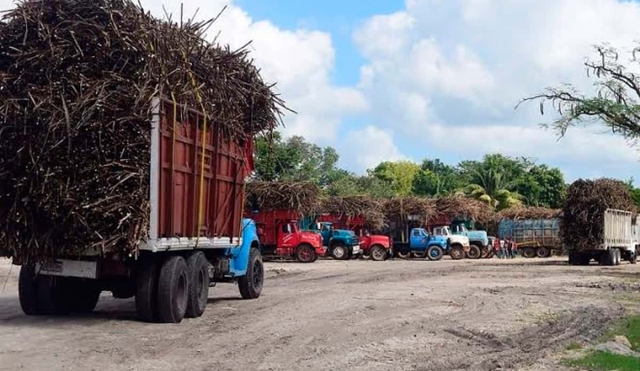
{"x":432,"y":245}
{"x":479,"y":240}
{"x":374,"y":246}
{"x":534,"y":237}
{"x":191,"y":245}
{"x":618,"y":243}
{"x":280,"y":237}
{"x":340,"y":244}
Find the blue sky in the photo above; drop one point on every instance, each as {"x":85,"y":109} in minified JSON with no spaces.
{"x":452,"y":25}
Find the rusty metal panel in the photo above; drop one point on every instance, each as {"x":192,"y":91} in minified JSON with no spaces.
{"x":180,"y":159}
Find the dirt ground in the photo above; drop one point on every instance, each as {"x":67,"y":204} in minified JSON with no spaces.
{"x":334,"y":315}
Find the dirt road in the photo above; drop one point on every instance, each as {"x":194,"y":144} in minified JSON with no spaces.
{"x":330,"y":315}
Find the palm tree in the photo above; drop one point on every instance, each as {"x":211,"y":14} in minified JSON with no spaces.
{"x":491,"y":183}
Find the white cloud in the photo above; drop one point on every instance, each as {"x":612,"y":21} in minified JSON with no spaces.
{"x":460,"y":66}
{"x":369,"y":146}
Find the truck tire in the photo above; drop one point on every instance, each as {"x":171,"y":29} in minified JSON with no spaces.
{"x":434,"y":253}
{"x":51,"y":298}
{"x":607,"y":257}
{"x":81,"y":296}
{"x":173,"y":288}
{"x":305,"y":253}
{"x":251,"y":283}
{"x":617,"y":256}
{"x":198,"y":268}
{"x":339,"y":252}
{"x":28,"y":290}
{"x":486,"y":251}
{"x":529,"y":252}
{"x":543,"y":252}
{"x":633,"y":258}
{"x":474,"y":252}
{"x":404,"y":254}
{"x":457,"y":252}
{"x":146,"y":290}
{"x":378,"y":253}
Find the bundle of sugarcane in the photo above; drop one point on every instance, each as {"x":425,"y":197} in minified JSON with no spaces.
{"x":299,"y":196}
{"x":582,"y":221}
{"x":528,"y":212}
{"x":412,"y":205}
{"x":77,"y":82}
{"x":369,"y":209}
{"x":462,"y":207}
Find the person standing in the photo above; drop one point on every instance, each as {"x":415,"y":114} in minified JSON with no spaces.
{"x":508,"y":245}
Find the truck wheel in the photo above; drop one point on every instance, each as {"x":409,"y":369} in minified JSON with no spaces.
{"x":339,"y":252}
{"x":474,"y":252}
{"x":543,"y":252}
{"x":486,"y":251}
{"x":378,"y":253}
{"x":251,"y":283}
{"x":198,"y":268}
{"x":173,"y":288}
{"x":404,"y":254}
{"x":456,"y":253}
{"x":617,"y":256}
{"x":529,"y":252}
{"x":81,"y":296}
{"x":51,"y":297}
{"x":434,"y":253}
{"x":633,"y":259}
{"x":305,"y":254}
{"x":146,"y":290}
{"x":28,"y":290}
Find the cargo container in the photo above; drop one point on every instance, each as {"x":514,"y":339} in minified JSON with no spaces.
{"x":197,"y":234}
{"x":534,"y":237}
{"x":618,"y":243}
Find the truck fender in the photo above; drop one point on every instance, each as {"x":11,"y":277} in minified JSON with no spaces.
{"x":240,"y":255}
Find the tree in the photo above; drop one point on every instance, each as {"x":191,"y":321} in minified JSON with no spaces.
{"x":493,"y":179}
{"x":294,"y":159}
{"x":399,"y":175}
{"x":542,"y":186}
{"x":436,"y":179}
{"x":635,"y":192}
{"x":614,"y":104}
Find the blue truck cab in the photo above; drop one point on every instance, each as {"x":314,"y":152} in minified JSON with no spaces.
{"x":341,"y":244}
{"x":432,"y":245}
{"x":477,"y":238}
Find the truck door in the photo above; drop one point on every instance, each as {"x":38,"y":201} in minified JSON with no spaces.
{"x":419,"y":239}
{"x":286,"y":239}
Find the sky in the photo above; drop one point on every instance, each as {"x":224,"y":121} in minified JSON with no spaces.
{"x":392,"y":80}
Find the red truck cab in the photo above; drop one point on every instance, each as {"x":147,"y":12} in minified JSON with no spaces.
{"x":378,"y":247}
{"x":280,"y":237}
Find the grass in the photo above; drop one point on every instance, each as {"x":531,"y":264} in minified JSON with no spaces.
{"x":602,"y":361}
{"x":574,"y":346}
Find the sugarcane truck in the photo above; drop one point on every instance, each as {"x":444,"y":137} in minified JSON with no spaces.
{"x":433,"y":245}
{"x":534,"y":237}
{"x":620,"y":242}
{"x":191,"y":247}
{"x":341,"y":244}
{"x":281,"y":236}
{"x":374,"y":246}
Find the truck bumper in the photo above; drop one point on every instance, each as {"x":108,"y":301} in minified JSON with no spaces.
{"x":321,"y":251}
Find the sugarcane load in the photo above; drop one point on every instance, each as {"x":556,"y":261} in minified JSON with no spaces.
{"x":122,"y":135}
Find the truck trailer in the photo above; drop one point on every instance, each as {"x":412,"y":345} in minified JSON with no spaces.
{"x":534,"y":237}
{"x":197,"y":237}
{"x":618,"y":243}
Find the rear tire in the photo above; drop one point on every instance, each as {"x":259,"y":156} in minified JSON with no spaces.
{"x":305,"y":254}
{"x":28,"y":290}
{"x":251,"y":283}
{"x":617,"y":256}
{"x":434,"y":253}
{"x":173,"y":289}
{"x":457,"y":252}
{"x":543,"y":252}
{"x":81,"y":296}
{"x":146,"y":290}
{"x":198,"y":268}
{"x":378,"y":253}
{"x":633,"y":259}
{"x":486,"y":251}
{"x":474,"y":252}
{"x":529,"y":252}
